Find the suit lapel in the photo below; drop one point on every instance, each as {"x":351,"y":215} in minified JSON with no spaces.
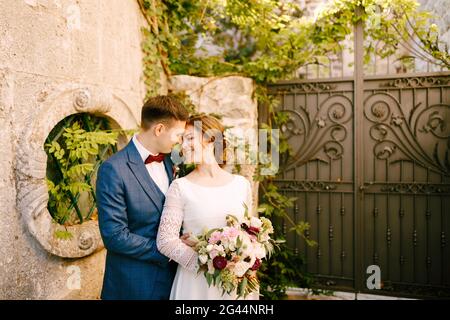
{"x":168,"y":164}
{"x":139,"y":170}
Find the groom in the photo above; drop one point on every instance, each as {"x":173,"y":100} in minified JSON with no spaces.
{"x":130,"y":196}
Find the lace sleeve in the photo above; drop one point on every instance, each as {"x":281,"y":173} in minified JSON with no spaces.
{"x":168,"y":239}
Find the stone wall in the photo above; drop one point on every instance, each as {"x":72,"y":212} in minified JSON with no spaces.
{"x":233,"y":99}
{"x":57,"y":57}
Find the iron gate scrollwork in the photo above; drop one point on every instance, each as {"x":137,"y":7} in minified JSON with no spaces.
{"x":404,"y":200}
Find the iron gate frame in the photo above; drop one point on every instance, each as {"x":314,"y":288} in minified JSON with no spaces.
{"x":360,"y":183}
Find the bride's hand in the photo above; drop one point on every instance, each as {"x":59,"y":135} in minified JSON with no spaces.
{"x":188,"y":240}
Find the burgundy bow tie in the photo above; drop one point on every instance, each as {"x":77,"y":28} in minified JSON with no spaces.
{"x":158,"y":158}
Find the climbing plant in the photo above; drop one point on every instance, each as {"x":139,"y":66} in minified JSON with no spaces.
{"x":76,"y":147}
{"x":269,"y":40}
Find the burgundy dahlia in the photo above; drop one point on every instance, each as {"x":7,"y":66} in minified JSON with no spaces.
{"x":219,"y":262}
{"x":256,"y":265}
{"x":253,"y":230}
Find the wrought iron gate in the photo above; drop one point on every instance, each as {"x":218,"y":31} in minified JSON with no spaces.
{"x":383,"y":199}
{"x":371,"y":173}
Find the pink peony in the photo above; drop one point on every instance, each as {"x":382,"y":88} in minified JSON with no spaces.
{"x":230,"y":233}
{"x":215,"y":237}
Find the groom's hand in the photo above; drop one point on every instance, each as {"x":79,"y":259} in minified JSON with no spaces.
{"x":186,"y":238}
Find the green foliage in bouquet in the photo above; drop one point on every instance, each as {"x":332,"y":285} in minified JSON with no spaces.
{"x":76,"y":147}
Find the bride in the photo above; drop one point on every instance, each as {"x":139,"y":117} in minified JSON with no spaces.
{"x":200,"y":200}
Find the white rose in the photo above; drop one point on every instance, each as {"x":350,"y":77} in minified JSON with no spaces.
{"x":211,"y":268}
{"x":220,"y":249}
{"x":264,"y":237}
{"x":203,"y":258}
{"x":255,"y":222}
{"x":213,"y":253}
{"x":259,"y":251}
{"x":240,"y":268}
{"x":247,"y":246}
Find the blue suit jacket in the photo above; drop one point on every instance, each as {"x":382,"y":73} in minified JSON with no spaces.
{"x":129,"y":210}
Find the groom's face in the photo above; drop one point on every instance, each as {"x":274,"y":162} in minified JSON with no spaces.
{"x":169,"y":134}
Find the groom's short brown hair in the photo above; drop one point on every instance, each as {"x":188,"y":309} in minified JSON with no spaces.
{"x":162,"y":109}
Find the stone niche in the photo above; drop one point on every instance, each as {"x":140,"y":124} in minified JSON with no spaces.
{"x":31,"y":165}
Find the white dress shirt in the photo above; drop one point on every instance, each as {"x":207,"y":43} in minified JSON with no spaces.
{"x":156,"y":170}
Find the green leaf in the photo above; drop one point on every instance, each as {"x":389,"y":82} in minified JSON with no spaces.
{"x":209,"y":278}
{"x":63,"y":235}
{"x":80,"y":170}
{"x":208,"y":234}
{"x":78,"y":187}
{"x":242,"y":287}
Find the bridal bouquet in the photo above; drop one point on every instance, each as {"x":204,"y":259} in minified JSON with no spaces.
{"x":230,"y":256}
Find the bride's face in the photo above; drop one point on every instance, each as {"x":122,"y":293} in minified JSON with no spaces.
{"x":194,"y":147}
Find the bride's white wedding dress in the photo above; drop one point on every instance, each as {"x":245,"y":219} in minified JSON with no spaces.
{"x":194,"y":207}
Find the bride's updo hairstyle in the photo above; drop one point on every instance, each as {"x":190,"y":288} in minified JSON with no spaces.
{"x":212,"y":131}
